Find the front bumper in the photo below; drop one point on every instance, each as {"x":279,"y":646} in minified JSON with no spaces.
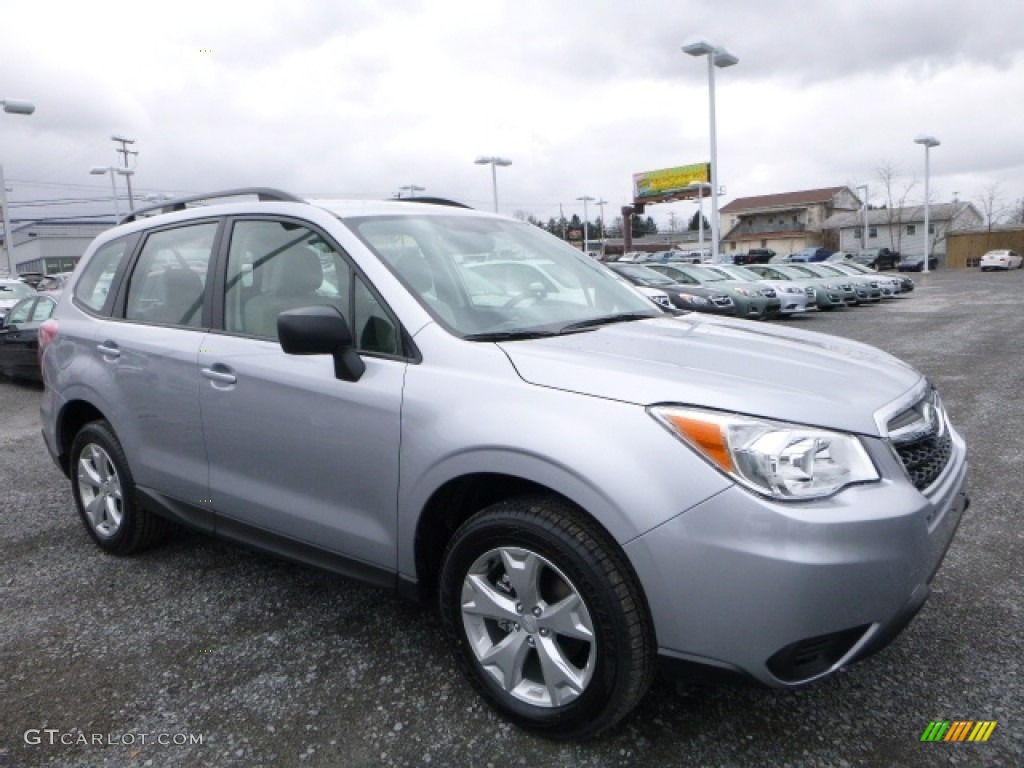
{"x":787,"y":593}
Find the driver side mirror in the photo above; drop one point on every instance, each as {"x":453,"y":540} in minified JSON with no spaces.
{"x":321,"y":330}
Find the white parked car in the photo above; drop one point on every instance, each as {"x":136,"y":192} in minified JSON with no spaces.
{"x":11,"y":292}
{"x":1001,"y":259}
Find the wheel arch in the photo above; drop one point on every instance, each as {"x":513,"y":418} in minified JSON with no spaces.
{"x":456,"y":501}
{"x":73,"y":416}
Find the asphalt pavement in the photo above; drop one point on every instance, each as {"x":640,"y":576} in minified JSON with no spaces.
{"x":203,"y":654}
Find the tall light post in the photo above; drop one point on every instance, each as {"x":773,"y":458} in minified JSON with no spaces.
{"x":11,"y":107}
{"x":928,"y":142}
{"x":700,"y":186}
{"x":717,"y":57}
{"x":864,"y":219}
{"x":412,"y":189}
{"x":494,"y":162}
{"x":601,"y":204}
{"x":586,"y":236}
{"x":100,"y":170}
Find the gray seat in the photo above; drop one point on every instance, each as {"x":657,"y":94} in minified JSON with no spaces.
{"x":182,"y":298}
{"x":290,"y":281}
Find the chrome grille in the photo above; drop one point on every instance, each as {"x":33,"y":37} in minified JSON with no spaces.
{"x":922,"y":441}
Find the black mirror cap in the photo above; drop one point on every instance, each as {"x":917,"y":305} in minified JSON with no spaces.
{"x":321,"y":330}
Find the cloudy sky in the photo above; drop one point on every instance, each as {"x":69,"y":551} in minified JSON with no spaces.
{"x":357,"y":98}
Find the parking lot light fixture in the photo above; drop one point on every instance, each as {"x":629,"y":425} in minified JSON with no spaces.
{"x":99,"y":170}
{"x":721,"y":58}
{"x":493,"y":162}
{"x":928,"y":142}
{"x":18,"y":106}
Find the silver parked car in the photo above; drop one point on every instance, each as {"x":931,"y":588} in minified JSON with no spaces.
{"x":580,"y":482}
{"x":794,"y":298}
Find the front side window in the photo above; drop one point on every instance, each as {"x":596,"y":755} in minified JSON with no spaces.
{"x":274,"y":266}
{"x":167,"y":285}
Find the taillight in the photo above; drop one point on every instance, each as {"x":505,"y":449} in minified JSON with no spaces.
{"x":47,"y":333}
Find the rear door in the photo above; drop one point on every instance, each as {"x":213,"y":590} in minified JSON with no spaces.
{"x":148,"y":354}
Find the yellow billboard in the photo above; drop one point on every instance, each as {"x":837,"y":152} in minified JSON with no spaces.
{"x":669,"y":183}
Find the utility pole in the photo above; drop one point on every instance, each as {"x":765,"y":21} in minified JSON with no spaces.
{"x":124,"y":152}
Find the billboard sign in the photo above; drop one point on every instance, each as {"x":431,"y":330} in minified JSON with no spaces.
{"x":669,"y":183}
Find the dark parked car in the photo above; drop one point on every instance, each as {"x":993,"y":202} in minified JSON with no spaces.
{"x":878,"y":258}
{"x":815,"y":253}
{"x":915,"y":263}
{"x":754,"y":256}
{"x":19,"y":337}
{"x":695,"y":298}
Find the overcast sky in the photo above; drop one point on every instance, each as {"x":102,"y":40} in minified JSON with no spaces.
{"x":357,"y":98}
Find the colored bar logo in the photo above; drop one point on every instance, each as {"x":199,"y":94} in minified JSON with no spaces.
{"x":958,"y":730}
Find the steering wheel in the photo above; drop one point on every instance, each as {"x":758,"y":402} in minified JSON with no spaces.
{"x":535,"y":291}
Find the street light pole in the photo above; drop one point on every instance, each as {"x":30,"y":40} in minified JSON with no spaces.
{"x":928,"y":142}
{"x":494,"y":162}
{"x":864,"y":220}
{"x":601,"y":204}
{"x":700,"y":186}
{"x":11,"y":107}
{"x":99,"y":170}
{"x":717,"y":57}
{"x":586,"y":236}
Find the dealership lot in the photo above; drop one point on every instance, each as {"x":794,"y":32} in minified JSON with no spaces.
{"x":200,"y":653}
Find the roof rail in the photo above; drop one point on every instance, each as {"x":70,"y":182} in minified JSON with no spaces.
{"x":434,"y":201}
{"x":180,"y":203}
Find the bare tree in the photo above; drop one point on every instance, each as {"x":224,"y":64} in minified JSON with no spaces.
{"x":991,"y":208}
{"x":1015,"y":214}
{"x":896,"y":193}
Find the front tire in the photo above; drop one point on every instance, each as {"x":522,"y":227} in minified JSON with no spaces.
{"x":546,"y":617}
{"x":104,"y":493}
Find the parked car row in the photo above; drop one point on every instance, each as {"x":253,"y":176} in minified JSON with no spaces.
{"x":765,"y":291}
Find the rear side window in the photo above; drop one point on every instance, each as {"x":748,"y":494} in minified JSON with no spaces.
{"x":93,"y":286}
{"x":169,"y":280}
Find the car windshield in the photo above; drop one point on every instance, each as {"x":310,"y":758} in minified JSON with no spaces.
{"x":482,"y":277}
{"x":645,"y":275}
{"x":15,"y":289}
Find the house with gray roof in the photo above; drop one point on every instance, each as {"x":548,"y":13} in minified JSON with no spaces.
{"x":902,"y":229}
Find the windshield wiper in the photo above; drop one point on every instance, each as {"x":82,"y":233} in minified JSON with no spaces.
{"x":625,"y":317}
{"x":509,"y":335}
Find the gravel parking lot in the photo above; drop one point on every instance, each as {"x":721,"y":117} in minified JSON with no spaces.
{"x":199,"y":653}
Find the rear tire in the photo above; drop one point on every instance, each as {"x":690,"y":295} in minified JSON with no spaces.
{"x":546,"y":617}
{"x":104,"y":492}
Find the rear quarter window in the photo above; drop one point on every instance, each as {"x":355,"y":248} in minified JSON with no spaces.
{"x":94,"y":285}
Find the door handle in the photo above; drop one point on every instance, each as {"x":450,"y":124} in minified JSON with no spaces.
{"x":221,"y":377}
{"x":109,"y":349}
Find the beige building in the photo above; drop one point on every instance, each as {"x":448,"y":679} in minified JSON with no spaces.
{"x":784,"y":222}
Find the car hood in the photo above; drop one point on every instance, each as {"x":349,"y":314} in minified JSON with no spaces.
{"x":730,"y":365}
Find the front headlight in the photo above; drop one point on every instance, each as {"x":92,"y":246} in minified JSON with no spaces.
{"x":699,"y":301}
{"x":777,"y":459}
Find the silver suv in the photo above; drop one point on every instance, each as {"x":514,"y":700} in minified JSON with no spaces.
{"x":581,"y":483}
